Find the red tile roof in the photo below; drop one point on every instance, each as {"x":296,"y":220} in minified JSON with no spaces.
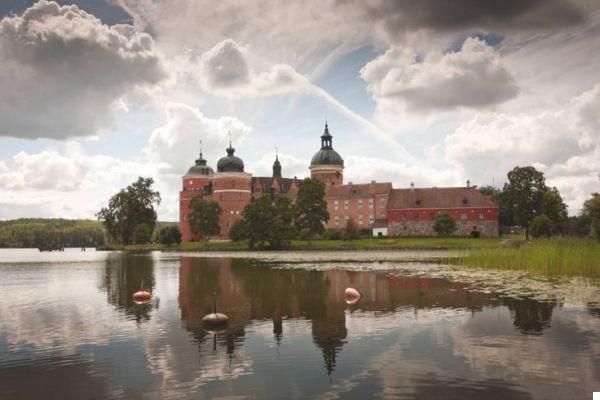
{"x":358,"y":190}
{"x":447,"y":197}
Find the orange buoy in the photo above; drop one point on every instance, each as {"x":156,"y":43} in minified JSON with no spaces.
{"x":142,"y":297}
{"x":352,"y":295}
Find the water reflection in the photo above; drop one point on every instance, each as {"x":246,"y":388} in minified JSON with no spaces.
{"x":249,"y":290}
{"x":290,"y":334}
{"x":123,"y":276}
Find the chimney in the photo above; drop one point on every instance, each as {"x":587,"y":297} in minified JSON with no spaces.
{"x":372,"y":182}
{"x":349,"y":183}
{"x":412,"y":185}
{"x":468,"y":183}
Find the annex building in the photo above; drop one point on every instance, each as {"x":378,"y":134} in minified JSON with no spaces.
{"x":376,"y":206}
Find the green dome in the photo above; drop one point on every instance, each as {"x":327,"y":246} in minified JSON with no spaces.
{"x":200,"y":168}
{"x":230,"y":163}
{"x":327,"y":155}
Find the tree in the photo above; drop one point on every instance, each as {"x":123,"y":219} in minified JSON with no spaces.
{"x":268,"y":221}
{"x":204,"y":217}
{"x":554,"y":207}
{"x":444,"y":224}
{"x":169,"y":235}
{"x":523,"y":194}
{"x":237,"y":232}
{"x":498,"y":197}
{"x":142,"y":234}
{"x":351,"y":231}
{"x":311,"y":207}
{"x":127,"y":209}
{"x":541,"y":226}
{"x":591,"y":210}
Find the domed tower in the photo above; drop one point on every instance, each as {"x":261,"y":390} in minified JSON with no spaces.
{"x":196,"y":182}
{"x":326,"y":165}
{"x":231,"y":189}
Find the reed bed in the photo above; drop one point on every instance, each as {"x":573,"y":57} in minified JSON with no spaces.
{"x":556,"y":256}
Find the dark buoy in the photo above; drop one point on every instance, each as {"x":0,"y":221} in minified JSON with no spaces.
{"x":352,"y":295}
{"x":142,"y":297}
{"x":215,"y":322}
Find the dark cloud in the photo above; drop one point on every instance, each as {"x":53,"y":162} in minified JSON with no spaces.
{"x":402,"y":16}
{"x":62,"y":71}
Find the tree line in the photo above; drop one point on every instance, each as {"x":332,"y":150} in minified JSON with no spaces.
{"x":50,"y":233}
{"x":526,"y":201}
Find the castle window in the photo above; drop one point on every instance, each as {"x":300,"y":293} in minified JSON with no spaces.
{"x":382,"y":203}
{"x":360,"y":219}
{"x":371,"y":219}
{"x":336,"y":205}
{"x":346,"y":218}
{"x":360,"y":204}
{"x":346,"y":204}
{"x":371,"y":203}
{"x":231,"y":212}
{"x":220,"y":196}
{"x":463,"y":216}
{"x":241,"y":197}
{"x":337,"y":220}
{"x":403,"y":217}
{"x":481,"y":216}
{"x":416,"y":216}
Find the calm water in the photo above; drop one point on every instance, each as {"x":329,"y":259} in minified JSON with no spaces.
{"x":69,"y":329}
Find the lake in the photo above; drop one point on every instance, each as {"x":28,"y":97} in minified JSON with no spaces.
{"x":69,"y":328}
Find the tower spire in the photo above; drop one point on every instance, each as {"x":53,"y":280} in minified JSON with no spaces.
{"x":230,"y":139}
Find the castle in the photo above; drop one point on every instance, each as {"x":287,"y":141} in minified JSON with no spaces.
{"x":375,"y":206}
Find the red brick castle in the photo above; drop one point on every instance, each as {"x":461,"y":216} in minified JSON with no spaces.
{"x":375,"y":206}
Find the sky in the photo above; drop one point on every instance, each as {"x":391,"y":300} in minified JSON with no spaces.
{"x":94,"y":93}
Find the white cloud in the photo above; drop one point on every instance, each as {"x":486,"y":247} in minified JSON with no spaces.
{"x":174,"y":146}
{"x":563,"y":142}
{"x":471,"y":77}
{"x":62,"y":71}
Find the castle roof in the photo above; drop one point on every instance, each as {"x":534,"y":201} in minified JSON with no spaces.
{"x":327,"y":155}
{"x":446,"y":197}
{"x":230,"y":163}
{"x":200,"y":168}
{"x":358,"y":190}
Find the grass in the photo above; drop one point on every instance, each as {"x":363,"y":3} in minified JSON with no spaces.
{"x":424,"y":243}
{"x":556,"y":256}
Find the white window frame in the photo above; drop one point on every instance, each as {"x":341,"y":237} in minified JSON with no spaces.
{"x":360,"y":219}
{"x":371,"y":203}
{"x":337,"y":220}
{"x":360,"y":204}
{"x":346,"y":204}
{"x":371,"y":219}
{"x":336,"y":205}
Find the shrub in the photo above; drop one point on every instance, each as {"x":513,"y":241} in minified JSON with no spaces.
{"x":169,"y":235}
{"x":142,"y":234}
{"x":238,"y":231}
{"x":444,"y":224}
{"x":351,"y":231}
{"x":541,"y":226}
{"x":332,"y":234}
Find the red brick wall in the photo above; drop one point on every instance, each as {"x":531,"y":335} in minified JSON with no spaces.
{"x":355,"y":211}
{"x":233,"y":194}
{"x":192,"y":187}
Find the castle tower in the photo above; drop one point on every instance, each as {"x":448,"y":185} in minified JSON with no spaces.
{"x":196,"y":182}
{"x":276,"y":167}
{"x":232,"y":189}
{"x":326,"y":165}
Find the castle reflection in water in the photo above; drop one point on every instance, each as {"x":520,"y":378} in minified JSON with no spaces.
{"x":251,"y":290}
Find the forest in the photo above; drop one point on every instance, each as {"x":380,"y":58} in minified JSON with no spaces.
{"x":50,"y":233}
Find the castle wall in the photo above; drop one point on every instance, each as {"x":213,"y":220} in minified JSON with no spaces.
{"x":425,"y":228}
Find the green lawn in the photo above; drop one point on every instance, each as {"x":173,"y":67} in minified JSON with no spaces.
{"x":426,"y":243}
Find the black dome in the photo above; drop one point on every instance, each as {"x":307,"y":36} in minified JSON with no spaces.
{"x":200,"y":168}
{"x":327,"y":155}
{"x":230,"y":163}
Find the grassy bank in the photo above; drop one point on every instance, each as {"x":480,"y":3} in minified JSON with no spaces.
{"x":427,"y":243}
{"x":556,"y":256}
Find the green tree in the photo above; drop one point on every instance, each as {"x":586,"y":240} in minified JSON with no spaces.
{"x":524,"y":194}
{"x":497,"y":196}
{"x":237,"y":232}
{"x":444,"y":224}
{"x":541,"y":226}
{"x":127,"y":209}
{"x":311,"y":207}
{"x":351,"y":230}
{"x":554,"y":207}
{"x":204,"y":217}
{"x":591,"y":210}
{"x":142,"y":234}
{"x":268,"y":221}
{"x":169,"y":235}
{"x":282,"y":229}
